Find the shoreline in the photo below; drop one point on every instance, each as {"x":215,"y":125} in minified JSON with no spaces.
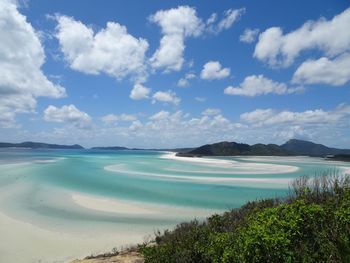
{"x":271,"y":168}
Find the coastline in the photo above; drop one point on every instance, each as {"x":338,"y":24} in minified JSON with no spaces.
{"x":50,"y":235}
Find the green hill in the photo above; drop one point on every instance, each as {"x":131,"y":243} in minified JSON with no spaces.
{"x":300,"y":147}
{"x":292,"y":147}
{"x":233,"y":148}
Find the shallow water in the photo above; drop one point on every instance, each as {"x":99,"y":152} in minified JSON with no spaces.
{"x":78,"y":193}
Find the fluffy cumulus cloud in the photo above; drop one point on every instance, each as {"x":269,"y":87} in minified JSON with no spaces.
{"x":114,"y":118}
{"x":173,"y":127}
{"x":112,"y":50}
{"x":256,"y":85}
{"x":318,"y":125}
{"x":161,"y":115}
{"x":176,"y":25}
{"x":230,"y":16}
{"x":213,"y":70}
{"x":21,"y":59}
{"x":260,"y":117}
{"x":139,"y":92}
{"x":249,"y":35}
{"x":211,"y":111}
{"x":185,"y":81}
{"x":334,"y":72}
{"x":329,"y":36}
{"x":69,"y":115}
{"x":181,"y":129}
{"x":166,"y":97}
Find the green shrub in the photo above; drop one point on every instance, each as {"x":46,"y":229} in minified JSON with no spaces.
{"x":311,"y":225}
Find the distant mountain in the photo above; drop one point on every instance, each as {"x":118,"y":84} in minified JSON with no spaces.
{"x":113,"y":148}
{"x":292,"y":147}
{"x":300,"y":147}
{"x":39,"y":145}
{"x":233,"y":148}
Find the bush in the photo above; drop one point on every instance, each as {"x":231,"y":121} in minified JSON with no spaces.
{"x":311,"y":225}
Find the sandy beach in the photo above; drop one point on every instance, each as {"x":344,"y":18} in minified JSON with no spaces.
{"x":132,"y":208}
{"x":240,"y":167}
{"x":48,"y":246}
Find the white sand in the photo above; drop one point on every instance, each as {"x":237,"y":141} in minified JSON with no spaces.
{"x":132,"y":208}
{"x":260,"y":182}
{"x":240,"y":167}
{"x":171,"y":155}
{"x":23,"y":242}
{"x":111,"y":205}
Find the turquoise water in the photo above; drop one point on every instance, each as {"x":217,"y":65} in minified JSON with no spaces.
{"x":142,"y":176}
{"x":38,"y":186}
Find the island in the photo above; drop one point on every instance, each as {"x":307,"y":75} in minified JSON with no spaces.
{"x":292,"y":147}
{"x":39,"y":145}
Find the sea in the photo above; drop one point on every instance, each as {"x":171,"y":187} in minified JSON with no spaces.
{"x":58,"y":205}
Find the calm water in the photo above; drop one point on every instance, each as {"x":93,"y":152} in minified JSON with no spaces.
{"x":38,"y":186}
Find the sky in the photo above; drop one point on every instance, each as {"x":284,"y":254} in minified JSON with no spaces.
{"x":159,"y":74}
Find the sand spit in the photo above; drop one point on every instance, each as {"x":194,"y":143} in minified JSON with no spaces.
{"x":111,"y":206}
{"x":240,"y":167}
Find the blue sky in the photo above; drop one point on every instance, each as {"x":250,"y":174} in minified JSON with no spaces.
{"x":174,"y":74}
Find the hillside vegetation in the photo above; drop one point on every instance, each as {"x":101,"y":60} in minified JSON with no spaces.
{"x":312,"y":224}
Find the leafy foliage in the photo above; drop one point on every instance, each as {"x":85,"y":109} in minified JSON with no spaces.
{"x":311,"y":225}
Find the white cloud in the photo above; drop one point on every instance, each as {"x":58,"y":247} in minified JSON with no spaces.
{"x":68,"y":114}
{"x":139,"y":92}
{"x":160,"y":115}
{"x":324,"y":71}
{"x":200,"y":99}
{"x":230,"y":16}
{"x":184,"y":82}
{"x":111,"y":50}
{"x":292,"y":132}
{"x":22,"y":56}
{"x":249,"y":35}
{"x":110,"y":118}
{"x":330,"y":36}
{"x":166,"y":96}
{"x":176,"y":24}
{"x":172,"y":128}
{"x":113,"y":118}
{"x":256,"y":85}
{"x":180,"y":129}
{"x":261,"y":117}
{"x":213,"y":70}
{"x":211,"y":111}
{"x":135,"y":126}
{"x":212,"y":19}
